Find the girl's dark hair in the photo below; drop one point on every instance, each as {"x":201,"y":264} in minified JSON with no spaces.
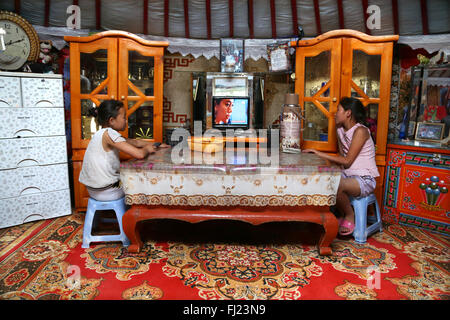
{"x":357,"y":108}
{"x":107,"y":109}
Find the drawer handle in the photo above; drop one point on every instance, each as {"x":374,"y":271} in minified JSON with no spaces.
{"x":33,"y":217}
{"x":17,"y":133}
{"x":27,"y":162}
{"x":30,"y":190}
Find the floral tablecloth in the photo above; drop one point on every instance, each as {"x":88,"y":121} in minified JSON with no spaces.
{"x":235,"y":180}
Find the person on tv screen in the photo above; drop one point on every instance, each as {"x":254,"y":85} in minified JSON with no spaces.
{"x":222,"y":111}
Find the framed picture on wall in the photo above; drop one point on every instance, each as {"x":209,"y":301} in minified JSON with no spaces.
{"x":195,"y":82}
{"x":427,"y":131}
{"x":232,"y":55}
{"x":279,"y":59}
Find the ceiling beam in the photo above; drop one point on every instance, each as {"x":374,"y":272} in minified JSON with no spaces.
{"x":250,"y":18}
{"x":273,"y":17}
{"x":231,"y":18}
{"x":47,"y":13}
{"x":317,"y":15}
{"x":17,"y":6}
{"x":166,"y":18}
{"x":186,"y":18}
{"x":145,"y":16}
{"x":98,"y":14}
{"x":208,"y":18}
{"x":424,"y":10}
{"x":294,"y":17}
{"x":365,"y":4}
{"x":395,"y":16}
{"x":341,"y":14}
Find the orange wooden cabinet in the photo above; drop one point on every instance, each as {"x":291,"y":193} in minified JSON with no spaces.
{"x":114,"y":65}
{"x":343,"y":63}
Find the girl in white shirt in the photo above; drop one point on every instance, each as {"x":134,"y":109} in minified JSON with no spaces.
{"x":101,"y":163}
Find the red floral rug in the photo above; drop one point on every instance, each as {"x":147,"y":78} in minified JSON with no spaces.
{"x":44,"y":260}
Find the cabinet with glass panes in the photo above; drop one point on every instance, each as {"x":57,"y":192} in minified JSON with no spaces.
{"x":114,"y":65}
{"x":344,"y":63}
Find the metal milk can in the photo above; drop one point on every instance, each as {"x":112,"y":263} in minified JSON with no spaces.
{"x":290,"y":124}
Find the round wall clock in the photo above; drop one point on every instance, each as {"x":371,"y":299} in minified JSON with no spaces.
{"x":20,"y":41}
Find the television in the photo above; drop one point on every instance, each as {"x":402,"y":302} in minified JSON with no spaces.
{"x":230,"y":112}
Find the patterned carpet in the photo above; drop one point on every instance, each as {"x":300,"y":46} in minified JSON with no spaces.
{"x":44,"y":260}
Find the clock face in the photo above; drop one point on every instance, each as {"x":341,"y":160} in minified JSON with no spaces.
{"x":17,"y":46}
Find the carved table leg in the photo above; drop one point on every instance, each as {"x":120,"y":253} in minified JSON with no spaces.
{"x":330,"y":224}
{"x":312,"y":214}
{"x":129,"y":221}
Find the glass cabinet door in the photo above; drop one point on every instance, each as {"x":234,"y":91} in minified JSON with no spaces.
{"x":365,"y":83}
{"x":96,"y":82}
{"x":137,"y":89}
{"x":318,"y":90}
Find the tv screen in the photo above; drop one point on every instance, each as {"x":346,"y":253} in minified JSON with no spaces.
{"x":230,"y":112}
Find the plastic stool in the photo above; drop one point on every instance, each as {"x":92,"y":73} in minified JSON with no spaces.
{"x":93,"y":205}
{"x":360,"y":205}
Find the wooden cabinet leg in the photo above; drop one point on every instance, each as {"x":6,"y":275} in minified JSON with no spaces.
{"x":330,"y":225}
{"x":129,"y":221}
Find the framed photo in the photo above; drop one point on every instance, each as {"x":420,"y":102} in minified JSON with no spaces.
{"x":411,"y":129}
{"x":195,"y":82}
{"x":261,"y":86}
{"x":230,"y":86}
{"x":427,"y":131}
{"x":278,"y":54}
{"x":232,"y":55}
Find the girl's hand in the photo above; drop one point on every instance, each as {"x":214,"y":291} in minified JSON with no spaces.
{"x":149,"y":148}
{"x":162,"y":145}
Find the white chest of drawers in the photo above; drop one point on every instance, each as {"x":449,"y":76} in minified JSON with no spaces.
{"x":34,"y":180}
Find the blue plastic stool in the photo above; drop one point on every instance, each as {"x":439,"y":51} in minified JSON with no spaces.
{"x":93,"y":205}
{"x":360,"y":205}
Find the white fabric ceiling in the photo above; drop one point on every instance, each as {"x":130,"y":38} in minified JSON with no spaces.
{"x":128,"y":15}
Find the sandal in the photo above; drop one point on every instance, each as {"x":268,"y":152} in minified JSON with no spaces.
{"x":348,"y":225}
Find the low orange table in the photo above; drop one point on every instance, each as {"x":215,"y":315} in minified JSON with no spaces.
{"x":299,"y":187}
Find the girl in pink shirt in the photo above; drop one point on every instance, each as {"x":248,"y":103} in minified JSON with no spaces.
{"x":357,"y":156}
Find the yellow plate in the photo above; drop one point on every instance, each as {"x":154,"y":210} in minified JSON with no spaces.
{"x":208,"y":145}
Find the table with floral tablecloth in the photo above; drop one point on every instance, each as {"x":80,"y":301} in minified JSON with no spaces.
{"x":236,"y":184}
